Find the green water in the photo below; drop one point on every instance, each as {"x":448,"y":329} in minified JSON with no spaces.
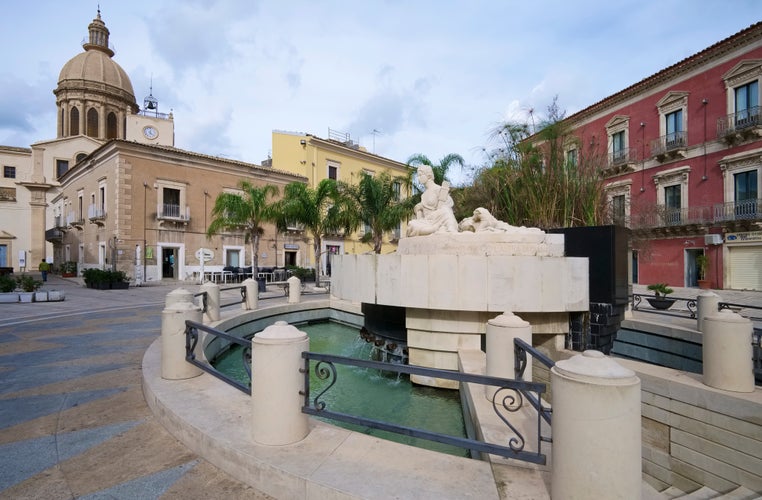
{"x":368,"y":393}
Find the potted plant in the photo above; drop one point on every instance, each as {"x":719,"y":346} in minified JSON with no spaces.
{"x":28,"y":285}
{"x":97,"y":279}
{"x":119,"y":280}
{"x":660,"y":299}
{"x":69,"y":269}
{"x":7,"y":287}
{"x":702,"y":261}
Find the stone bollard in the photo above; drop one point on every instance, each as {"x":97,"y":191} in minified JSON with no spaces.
{"x":727,"y":352}
{"x":212,"y":301}
{"x":500,"y":351}
{"x":596,"y":429}
{"x":294,"y":290}
{"x":179,"y":308}
{"x":708,"y":302}
{"x":276,"y":383}
{"x":252,"y":294}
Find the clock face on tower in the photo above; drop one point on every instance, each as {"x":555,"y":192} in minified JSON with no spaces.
{"x":150,"y":132}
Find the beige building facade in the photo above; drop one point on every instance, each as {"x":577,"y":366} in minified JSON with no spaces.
{"x":144,"y":209}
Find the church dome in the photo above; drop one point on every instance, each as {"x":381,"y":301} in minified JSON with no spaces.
{"x":97,"y":67}
{"x":92,"y":82}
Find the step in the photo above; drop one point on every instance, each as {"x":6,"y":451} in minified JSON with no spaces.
{"x":703,"y":493}
{"x":740,"y":493}
{"x":673,"y":492}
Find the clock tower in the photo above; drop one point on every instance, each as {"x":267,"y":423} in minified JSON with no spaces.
{"x":149,"y":126}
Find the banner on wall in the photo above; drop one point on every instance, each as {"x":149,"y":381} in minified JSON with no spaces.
{"x":743,"y":237}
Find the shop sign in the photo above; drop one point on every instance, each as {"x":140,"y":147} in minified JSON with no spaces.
{"x":743,"y":237}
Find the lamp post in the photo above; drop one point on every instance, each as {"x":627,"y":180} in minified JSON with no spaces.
{"x":145,"y":224}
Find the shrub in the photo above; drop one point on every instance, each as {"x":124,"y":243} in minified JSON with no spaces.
{"x":28,"y":283}
{"x":7,"y":284}
{"x":304,"y":274}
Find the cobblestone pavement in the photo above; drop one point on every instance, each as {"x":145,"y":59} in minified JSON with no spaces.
{"x":73,"y":421}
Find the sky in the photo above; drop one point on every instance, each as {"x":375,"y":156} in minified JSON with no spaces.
{"x":400,"y":77}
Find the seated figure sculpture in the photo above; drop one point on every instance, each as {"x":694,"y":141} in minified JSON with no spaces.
{"x":434,"y":213}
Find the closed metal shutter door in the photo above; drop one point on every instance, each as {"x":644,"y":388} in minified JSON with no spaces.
{"x":746,"y":268}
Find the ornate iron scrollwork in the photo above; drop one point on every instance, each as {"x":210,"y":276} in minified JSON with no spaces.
{"x":635,"y":302}
{"x":692,"y":308}
{"x":324,"y":370}
{"x":510,"y":402}
{"x":191,"y":340}
{"x":246,"y":355}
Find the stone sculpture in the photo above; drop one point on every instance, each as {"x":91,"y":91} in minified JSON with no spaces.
{"x":484,"y":221}
{"x":434,"y":213}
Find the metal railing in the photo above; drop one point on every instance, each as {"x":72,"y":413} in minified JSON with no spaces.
{"x":623,"y":156}
{"x":669,"y":142}
{"x":172,"y":212}
{"x":738,"y":121}
{"x":192,"y":329}
{"x":690,"y":304}
{"x":508,"y":399}
{"x":653,"y":216}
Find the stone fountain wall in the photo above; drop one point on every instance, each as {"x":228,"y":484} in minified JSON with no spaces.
{"x":451,"y":284}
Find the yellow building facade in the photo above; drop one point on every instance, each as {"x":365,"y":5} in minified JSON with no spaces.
{"x":343,"y":160}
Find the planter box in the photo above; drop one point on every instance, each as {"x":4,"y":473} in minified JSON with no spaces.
{"x":26,"y":296}
{"x":120,"y":285}
{"x":9,"y":298}
{"x":40,"y":296}
{"x":56,"y":295}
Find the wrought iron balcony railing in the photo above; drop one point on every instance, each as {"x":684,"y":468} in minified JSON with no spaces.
{"x":96,"y":213}
{"x":623,"y":157}
{"x":740,"y":121}
{"x":654,"y":216}
{"x":167,"y":211}
{"x":669,"y":143}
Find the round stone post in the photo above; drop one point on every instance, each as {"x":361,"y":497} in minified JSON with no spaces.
{"x":727,"y":352}
{"x":179,"y":307}
{"x":500,"y":352}
{"x":276,"y":358}
{"x":294,"y":290}
{"x":707,"y":304}
{"x":212,"y":301}
{"x":252,"y":294}
{"x":596,"y":429}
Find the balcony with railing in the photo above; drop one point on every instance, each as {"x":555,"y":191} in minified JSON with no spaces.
{"x":171,"y":212}
{"x":75,"y":220}
{"x":96,"y":214}
{"x":669,"y":146}
{"x":660,"y":216}
{"x":741,"y":125}
{"x":54,"y":235}
{"x":621,"y":161}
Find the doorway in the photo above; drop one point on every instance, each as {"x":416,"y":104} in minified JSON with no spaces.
{"x":289,"y":258}
{"x":691,"y":266}
{"x":169,"y":263}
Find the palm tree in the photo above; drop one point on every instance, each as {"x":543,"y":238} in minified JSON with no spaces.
{"x":320,"y":211}
{"x":440,"y":171}
{"x":245,"y":213}
{"x":376,"y":203}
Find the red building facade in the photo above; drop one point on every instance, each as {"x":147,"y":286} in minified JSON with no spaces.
{"x":683,"y":167}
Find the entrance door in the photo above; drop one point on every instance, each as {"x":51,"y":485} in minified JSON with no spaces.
{"x":634,"y":266}
{"x":691,"y":267}
{"x":290,"y":258}
{"x":4,"y":256}
{"x":168,"y":263}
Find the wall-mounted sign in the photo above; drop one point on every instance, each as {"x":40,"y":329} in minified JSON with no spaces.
{"x":291,"y":246}
{"x":743,"y":237}
{"x":206,"y":253}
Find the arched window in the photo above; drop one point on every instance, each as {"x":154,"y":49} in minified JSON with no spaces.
{"x":111,"y":126}
{"x":74,"y":122}
{"x":92,"y":122}
{"x":80,"y":157}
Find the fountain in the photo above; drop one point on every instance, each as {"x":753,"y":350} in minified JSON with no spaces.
{"x":447,"y":279}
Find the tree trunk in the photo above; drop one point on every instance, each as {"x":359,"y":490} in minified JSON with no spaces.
{"x":316,"y":249}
